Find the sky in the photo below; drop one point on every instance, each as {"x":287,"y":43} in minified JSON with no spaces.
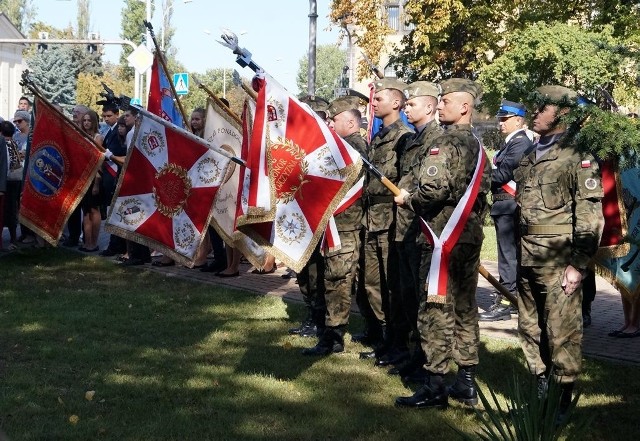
{"x":276,"y":32}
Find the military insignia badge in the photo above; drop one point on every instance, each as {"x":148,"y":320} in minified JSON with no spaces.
{"x":585,"y":164}
{"x":46,"y":173}
{"x":432,"y":171}
{"x":591,"y":184}
{"x":434,"y":151}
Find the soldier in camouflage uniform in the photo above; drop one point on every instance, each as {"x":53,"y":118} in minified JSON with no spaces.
{"x":340,"y":266}
{"x":559,"y":194}
{"x":449,"y":324}
{"x":422,"y":100}
{"x":380,"y":259}
{"x":311,"y":278}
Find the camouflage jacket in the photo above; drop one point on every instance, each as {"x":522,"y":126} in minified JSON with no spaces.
{"x":560,"y":210}
{"x":407,"y":227}
{"x":351,"y":218}
{"x":445,"y":173}
{"x":383,"y":154}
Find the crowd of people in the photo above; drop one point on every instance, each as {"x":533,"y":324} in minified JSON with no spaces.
{"x":409,"y":254}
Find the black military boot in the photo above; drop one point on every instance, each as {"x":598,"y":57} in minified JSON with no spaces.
{"x":307,"y":328}
{"x":432,"y":394}
{"x":586,"y":314}
{"x":496,"y":312}
{"x":566,"y":396}
{"x":331,"y":341}
{"x":464,"y":389}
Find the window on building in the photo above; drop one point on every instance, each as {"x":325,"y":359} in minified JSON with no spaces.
{"x":393,"y":17}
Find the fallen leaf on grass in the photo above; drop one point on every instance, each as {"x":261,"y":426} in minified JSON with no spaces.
{"x":60,"y":401}
{"x":287,"y":345}
{"x":73,"y":419}
{"x":89,"y":395}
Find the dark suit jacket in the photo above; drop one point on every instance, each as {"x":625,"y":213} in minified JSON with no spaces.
{"x":506,"y":161}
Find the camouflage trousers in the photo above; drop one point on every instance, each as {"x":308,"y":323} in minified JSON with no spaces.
{"x":409,"y":256}
{"x":380,"y":273}
{"x":339,"y":277}
{"x":450,"y":330}
{"x":549,"y":323}
{"x":311,"y":284}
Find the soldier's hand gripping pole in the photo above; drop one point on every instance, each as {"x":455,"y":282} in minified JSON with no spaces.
{"x":481,"y":269}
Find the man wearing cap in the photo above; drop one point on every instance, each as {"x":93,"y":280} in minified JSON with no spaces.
{"x":380,"y":259}
{"x":422,"y":100}
{"x":340,"y":266}
{"x":559,"y":192}
{"x":454,"y":179}
{"x":503,"y":210}
{"x":311,"y":278}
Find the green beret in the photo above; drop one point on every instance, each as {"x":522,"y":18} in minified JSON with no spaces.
{"x":343,"y":104}
{"x":422,"y":88}
{"x":460,"y":85}
{"x":389,"y":83}
{"x":558,"y":95}
{"x":316,"y":103}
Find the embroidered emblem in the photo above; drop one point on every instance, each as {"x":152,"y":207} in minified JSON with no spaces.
{"x":288,"y":169}
{"x":291,"y":229}
{"x":130,"y":211}
{"x":46,"y":173}
{"x":220,"y":206}
{"x":152,"y":143}
{"x":184,"y":235}
{"x":591,"y":184}
{"x":275,"y":112}
{"x":208,"y":171}
{"x":328,"y":164}
{"x":432,"y":171}
{"x":171,"y":188}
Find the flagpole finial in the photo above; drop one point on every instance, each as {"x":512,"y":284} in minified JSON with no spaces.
{"x":230,"y":40}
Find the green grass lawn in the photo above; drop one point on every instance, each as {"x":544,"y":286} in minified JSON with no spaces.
{"x":170,"y":359}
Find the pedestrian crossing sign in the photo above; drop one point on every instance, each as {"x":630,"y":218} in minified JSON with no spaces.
{"x":181,"y":83}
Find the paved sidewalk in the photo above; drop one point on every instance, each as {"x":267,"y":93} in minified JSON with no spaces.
{"x":606,"y":309}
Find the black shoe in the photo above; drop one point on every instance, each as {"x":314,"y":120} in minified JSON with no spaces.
{"x":107,"y":253}
{"x":432,"y":394}
{"x":367,"y":355}
{"x":135,"y":262}
{"x":330,"y":342}
{"x":464,"y":389}
{"x":395,"y":356}
{"x":214,"y":267}
{"x":496,"y":313}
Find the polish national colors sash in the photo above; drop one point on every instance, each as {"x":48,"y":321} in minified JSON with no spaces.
{"x":62,"y":164}
{"x":331,"y":238}
{"x":166,"y":191}
{"x":299,"y":171}
{"x":439,"y":270}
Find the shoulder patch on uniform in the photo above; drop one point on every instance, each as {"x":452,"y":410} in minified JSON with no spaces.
{"x":434,"y":150}
{"x":586,"y":163}
{"x":590,"y":183}
{"x":432,"y":171}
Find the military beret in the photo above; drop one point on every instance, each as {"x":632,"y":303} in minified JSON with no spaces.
{"x":316,"y":103}
{"x":389,"y":83}
{"x":511,"y":108}
{"x":460,"y":85}
{"x":422,"y":88}
{"x":343,"y":104}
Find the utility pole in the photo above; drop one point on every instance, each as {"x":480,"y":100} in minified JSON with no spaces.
{"x":311,"y":73}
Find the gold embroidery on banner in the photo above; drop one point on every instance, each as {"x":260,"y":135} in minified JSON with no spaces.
{"x":130,"y":212}
{"x":152,"y":143}
{"x":184,"y":236}
{"x":208,"y":171}
{"x":328,"y":164}
{"x":282,"y":168}
{"x":171,"y":189}
{"x":291,"y":229}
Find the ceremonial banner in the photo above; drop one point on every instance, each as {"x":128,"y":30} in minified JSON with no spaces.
{"x":160,"y":97}
{"x":331,"y":240}
{"x":62,"y":164}
{"x":309,"y":170}
{"x":166,"y":192}
{"x":623,"y":271}
{"x":224,"y":130}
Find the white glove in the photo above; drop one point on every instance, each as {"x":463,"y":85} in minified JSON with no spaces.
{"x":108,"y":154}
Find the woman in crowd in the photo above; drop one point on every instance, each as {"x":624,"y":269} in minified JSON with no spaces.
{"x":91,"y":201}
{"x":15,"y":159}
